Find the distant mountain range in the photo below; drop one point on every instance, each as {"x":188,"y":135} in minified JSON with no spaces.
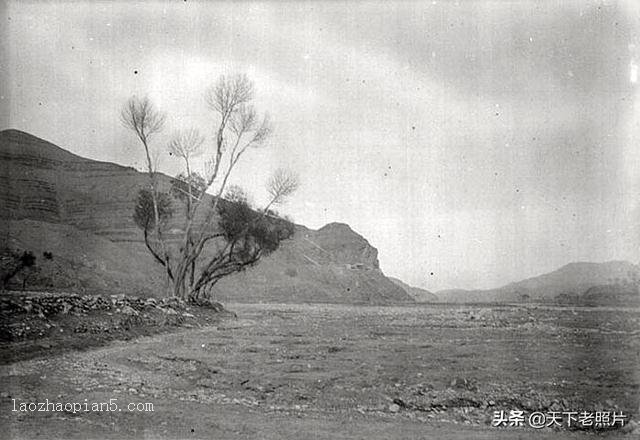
{"x":614,"y":282}
{"x":81,"y":210}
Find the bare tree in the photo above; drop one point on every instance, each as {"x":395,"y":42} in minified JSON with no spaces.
{"x":281,"y":185}
{"x":234,"y":235}
{"x":186,"y":145}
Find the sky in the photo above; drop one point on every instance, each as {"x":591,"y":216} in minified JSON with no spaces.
{"x":472,"y":143}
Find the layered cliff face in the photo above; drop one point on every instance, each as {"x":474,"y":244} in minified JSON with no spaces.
{"x":40,"y":181}
{"x":81,"y":211}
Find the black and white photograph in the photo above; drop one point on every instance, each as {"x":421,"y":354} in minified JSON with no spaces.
{"x":320,"y":220}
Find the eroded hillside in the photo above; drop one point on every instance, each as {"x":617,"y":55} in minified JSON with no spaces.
{"x":80,"y":210}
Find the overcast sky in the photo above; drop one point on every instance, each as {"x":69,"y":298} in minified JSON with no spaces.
{"x":473,"y":144}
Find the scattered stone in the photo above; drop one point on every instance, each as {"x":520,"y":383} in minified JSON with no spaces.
{"x":128,"y":310}
{"x":394,"y":407}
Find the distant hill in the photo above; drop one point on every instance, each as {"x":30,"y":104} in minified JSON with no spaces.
{"x":81,"y":211}
{"x":419,"y":295}
{"x":613,"y":282}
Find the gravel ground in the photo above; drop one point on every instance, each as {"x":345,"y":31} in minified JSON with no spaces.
{"x":334,"y":371}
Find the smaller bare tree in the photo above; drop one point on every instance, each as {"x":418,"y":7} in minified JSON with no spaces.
{"x":282,"y":184}
{"x":187,"y":145}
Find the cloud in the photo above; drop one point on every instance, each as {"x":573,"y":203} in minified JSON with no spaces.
{"x":489,"y":124}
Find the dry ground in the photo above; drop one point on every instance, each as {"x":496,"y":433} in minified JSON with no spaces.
{"x":339,"y":372}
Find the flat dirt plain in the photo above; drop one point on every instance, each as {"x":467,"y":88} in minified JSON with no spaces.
{"x":341,"y":372}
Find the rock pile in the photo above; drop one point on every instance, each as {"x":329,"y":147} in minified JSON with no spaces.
{"x":37,"y":315}
{"x":49,"y":304}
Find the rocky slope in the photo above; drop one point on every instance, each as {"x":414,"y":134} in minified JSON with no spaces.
{"x":419,"y":295}
{"x":81,"y":211}
{"x":610,"y":283}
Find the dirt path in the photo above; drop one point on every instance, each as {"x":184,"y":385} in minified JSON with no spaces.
{"x":288,"y":373}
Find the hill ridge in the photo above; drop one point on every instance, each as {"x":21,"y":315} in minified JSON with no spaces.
{"x":572,"y":280}
{"x":11,"y":137}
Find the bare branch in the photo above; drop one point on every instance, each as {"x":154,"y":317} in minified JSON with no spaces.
{"x":281,"y":185}
{"x":243,"y":120}
{"x":259,"y":137}
{"x":229,"y":93}
{"x":209,"y":168}
{"x":186,"y":144}
{"x":141,"y":116}
{"x":263,"y":132}
{"x":156,"y":159}
{"x":155,"y":254}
